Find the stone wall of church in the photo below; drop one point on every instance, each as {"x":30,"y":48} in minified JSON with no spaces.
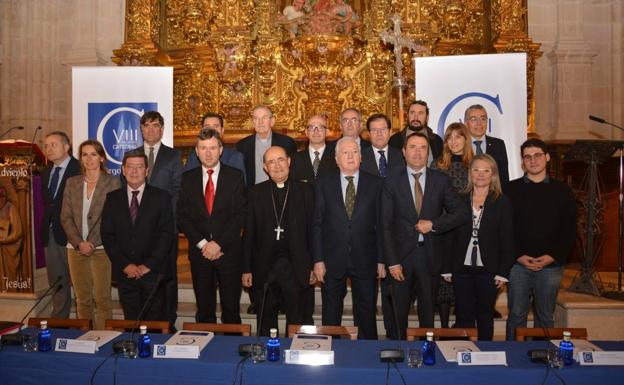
{"x":580,"y":73}
{"x":582,"y":69}
{"x":39,"y":43}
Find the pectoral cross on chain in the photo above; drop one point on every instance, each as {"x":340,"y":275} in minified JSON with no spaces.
{"x":278,"y":230}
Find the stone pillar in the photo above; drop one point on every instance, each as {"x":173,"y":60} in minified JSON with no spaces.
{"x":572,"y":59}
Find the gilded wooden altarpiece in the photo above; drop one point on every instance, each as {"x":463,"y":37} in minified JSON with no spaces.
{"x":230,"y":55}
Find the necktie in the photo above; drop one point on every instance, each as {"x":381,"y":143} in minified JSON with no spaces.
{"x":478,"y":145}
{"x":383,"y":163}
{"x":150,"y":161}
{"x":54,"y":181}
{"x":350,"y":197}
{"x":418,"y":193}
{"x":315,"y":163}
{"x":473,"y":256}
{"x":210,"y":192}
{"x":134,"y":206}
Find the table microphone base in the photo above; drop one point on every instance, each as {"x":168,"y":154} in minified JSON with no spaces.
{"x":246,"y":349}
{"x":391,"y":355}
{"x":126,"y":348}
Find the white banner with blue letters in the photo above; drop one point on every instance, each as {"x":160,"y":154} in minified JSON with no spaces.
{"x":450,"y":84}
{"x":108,"y":102}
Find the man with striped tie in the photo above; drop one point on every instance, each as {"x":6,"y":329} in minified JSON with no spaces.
{"x":137,"y":235}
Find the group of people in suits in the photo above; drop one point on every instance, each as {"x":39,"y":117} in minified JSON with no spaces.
{"x":427,"y":217}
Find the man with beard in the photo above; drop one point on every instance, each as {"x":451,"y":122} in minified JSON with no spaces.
{"x":276,"y":260}
{"x":418,"y":118}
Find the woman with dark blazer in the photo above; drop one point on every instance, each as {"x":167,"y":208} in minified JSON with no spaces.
{"x":482,"y":251}
{"x":89,"y":266}
{"x":454,"y":162}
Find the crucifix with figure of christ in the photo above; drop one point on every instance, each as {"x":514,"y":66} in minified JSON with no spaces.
{"x":399,"y":41}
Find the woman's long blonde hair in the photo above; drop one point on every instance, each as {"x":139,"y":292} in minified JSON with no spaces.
{"x":495,"y":186}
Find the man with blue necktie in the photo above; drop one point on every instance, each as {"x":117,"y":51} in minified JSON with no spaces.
{"x":476,"y":119}
{"x":61,"y":165}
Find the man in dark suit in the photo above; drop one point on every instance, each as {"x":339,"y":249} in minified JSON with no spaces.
{"x":308,"y":165}
{"x":61,"y":165}
{"x":255,"y":145}
{"x":211,"y":213}
{"x":230,"y":157}
{"x":165,"y":172}
{"x":351,"y":127}
{"x":476,"y":120}
{"x":317,"y":159}
{"x":277,"y":262}
{"x":136,"y":233}
{"x":417,"y":121}
{"x":417,"y":204}
{"x":381,"y":159}
{"x":346,"y":240}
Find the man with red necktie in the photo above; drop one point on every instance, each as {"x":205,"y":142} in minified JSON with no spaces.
{"x":211,"y":213}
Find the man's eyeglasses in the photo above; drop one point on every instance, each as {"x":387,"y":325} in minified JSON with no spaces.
{"x":350,"y":120}
{"x":316,"y":128}
{"x":536,"y":156}
{"x":474,"y":119}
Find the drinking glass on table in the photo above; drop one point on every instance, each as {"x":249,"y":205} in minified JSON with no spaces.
{"x":414,"y":358}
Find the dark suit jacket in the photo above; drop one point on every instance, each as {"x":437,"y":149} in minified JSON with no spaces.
{"x":441,"y":205}
{"x":342,"y":243}
{"x":260,"y":235}
{"x":229,"y":157}
{"x":147,"y":241}
{"x":52,"y":206}
{"x":496,"y":148}
{"x":495,"y":238}
{"x":301,"y":165}
{"x":394,"y":157}
{"x":435,"y":142}
{"x":167,"y":172}
{"x":247,"y":147}
{"x":225,"y":224}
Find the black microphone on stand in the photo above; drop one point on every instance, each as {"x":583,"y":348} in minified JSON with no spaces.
{"x":17,"y":338}
{"x":35,"y":134}
{"x":393,"y":355}
{"x":11,"y":129}
{"x":602,"y":121}
{"x":248,"y":349}
{"x":129,"y":347}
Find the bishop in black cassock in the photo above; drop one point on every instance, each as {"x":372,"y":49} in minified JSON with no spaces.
{"x":276,"y":243}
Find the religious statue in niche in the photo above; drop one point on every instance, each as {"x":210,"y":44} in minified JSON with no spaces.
{"x":10,"y":241}
{"x":293,"y":17}
{"x":230,"y":69}
{"x":314,"y":17}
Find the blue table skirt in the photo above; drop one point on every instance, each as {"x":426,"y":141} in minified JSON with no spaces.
{"x":356,"y":362}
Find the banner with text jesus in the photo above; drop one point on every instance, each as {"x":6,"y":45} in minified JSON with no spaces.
{"x":450,"y":84}
{"x":108,"y":103}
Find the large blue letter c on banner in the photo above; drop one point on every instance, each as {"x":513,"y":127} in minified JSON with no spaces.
{"x":442,"y":121}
